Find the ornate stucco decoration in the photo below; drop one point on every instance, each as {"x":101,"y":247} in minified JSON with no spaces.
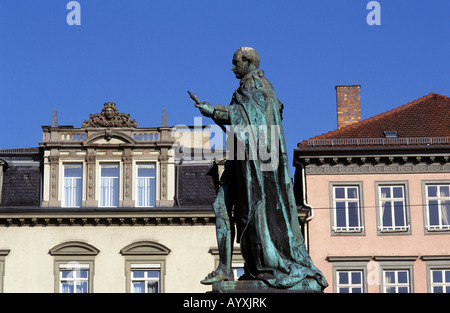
{"x":109,"y":117}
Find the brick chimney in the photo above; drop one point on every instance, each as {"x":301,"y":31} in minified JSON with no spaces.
{"x":348,"y":102}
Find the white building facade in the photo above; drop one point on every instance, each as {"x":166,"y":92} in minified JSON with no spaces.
{"x":109,"y":217}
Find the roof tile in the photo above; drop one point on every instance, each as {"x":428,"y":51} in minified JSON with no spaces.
{"x":428,"y":116}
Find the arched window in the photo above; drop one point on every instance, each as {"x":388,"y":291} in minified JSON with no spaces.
{"x":74,"y":267}
{"x":145,"y":266}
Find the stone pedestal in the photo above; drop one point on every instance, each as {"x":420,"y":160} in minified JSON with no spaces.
{"x":307,"y":285}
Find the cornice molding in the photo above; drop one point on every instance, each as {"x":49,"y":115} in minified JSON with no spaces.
{"x":120,"y":218}
{"x":374,"y":165}
{"x":55,"y":217}
{"x":340,"y":258}
{"x":370,"y":169}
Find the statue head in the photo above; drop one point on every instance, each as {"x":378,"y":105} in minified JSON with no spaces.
{"x":245,"y":60}
{"x":109,"y":110}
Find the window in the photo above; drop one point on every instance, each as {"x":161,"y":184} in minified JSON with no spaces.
{"x":349,"y":282}
{"x":145,"y":263}
{"x":73,"y":185}
{"x":438,"y":207}
{"x":109,"y":184}
{"x":397,"y":273}
{"x":438,"y":273}
{"x":346,"y":209}
{"x":396,"y":281}
{"x":145,"y":278}
{"x":74,"y":278}
{"x":440,"y":280}
{"x":73,"y":267}
{"x":146,"y":185}
{"x":392,"y":208}
{"x":350,"y":273}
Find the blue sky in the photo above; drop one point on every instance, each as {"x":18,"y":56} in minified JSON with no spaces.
{"x":144,"y":55}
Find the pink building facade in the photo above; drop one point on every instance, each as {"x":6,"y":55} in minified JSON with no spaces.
{"x":378,"y":195}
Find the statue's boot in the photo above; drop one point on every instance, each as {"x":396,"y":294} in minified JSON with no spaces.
{"x":216,"y":277}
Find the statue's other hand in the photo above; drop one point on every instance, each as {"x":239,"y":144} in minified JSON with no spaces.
{"x":206,"y":108}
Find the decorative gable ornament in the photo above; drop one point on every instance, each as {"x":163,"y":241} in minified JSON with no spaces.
{"x":109,"y":117}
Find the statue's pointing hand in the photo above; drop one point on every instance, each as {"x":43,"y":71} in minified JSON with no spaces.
{"x":206,"y":108}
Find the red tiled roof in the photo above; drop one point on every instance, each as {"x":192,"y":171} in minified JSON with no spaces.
{"x":428,"y":116}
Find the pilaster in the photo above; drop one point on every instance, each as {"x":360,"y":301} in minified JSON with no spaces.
{"x":90,"y":183}
{"x":127,"y":161}
{"x":54,"y":175}
{"x":164,"y":179}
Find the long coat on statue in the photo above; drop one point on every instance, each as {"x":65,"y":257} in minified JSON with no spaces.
{"x":265,"y":211}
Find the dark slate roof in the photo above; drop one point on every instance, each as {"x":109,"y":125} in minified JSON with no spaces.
{"x":426,"y":117}
{"x":21,"y":185}
{"x":21,"y":177}
{"x":196,"y":184}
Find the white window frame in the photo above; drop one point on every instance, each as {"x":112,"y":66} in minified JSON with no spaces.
{"x":74,"y":254}
{"x":150,"y":255}
{"x":109,"y":200}
{"x":347,"y":230}
{"x":75,"y":268}
{"x":436,"y":263}
{"x":444,"y":284}
{"x":396,"y":284}
{"x":351,"y":286}
{"x":349,"y":264}
{"x":396,"y":263}
{"x":441,"y":200}
{"x":145,"y":279}
{"x":147,"y":184}
{"x":73,"y":179}
{"x":383,"y":229}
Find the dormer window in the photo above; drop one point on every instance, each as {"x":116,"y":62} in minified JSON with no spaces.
{"x":109,"y":184}
{"x":73,"y":185}
{"x":108,"y":162}
{"x":146,"y":185}
{"x":390,"y":134}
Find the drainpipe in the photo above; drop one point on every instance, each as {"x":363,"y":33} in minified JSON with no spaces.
{"x":304,"y":204}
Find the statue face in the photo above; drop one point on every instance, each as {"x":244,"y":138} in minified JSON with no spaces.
{"x":240,"y":67}
{"x":109,"y":112}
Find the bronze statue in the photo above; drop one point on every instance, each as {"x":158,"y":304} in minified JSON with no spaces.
{"x":256,"y":193}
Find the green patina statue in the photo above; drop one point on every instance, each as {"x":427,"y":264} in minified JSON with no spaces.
{"x":256,"y":193}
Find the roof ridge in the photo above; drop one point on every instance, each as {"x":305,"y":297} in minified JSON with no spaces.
{"x":381,"y":115}
{"x":443,"y":96}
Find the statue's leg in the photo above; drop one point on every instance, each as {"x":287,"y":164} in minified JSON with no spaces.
{"x":224,"y":228}
{"x":225,"y":237}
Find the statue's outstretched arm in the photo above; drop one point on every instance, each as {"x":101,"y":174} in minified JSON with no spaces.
{"x":222,"y":114}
